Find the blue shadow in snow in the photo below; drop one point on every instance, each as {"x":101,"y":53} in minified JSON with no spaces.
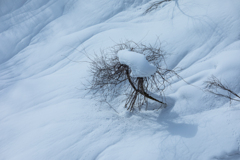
{"x":181,"y":129}
{"x":166,"y":118}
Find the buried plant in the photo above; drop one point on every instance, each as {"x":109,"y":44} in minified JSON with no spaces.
{"x":114,"y":74}
{"x":216,"y":87}
{"x":155,"y":5}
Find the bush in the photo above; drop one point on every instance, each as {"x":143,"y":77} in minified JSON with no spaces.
{"x":155,"y":5}
{"x":111,"y":79}
{"x":216,"y":87}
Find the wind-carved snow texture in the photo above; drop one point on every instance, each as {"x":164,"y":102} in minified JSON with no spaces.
{"x":43,"y":64}
{"x":137,"y":62}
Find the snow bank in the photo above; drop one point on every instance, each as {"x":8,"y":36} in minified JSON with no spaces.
{"x":140,"y":67}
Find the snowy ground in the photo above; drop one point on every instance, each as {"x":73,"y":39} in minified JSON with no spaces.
{"x":43,"y":114}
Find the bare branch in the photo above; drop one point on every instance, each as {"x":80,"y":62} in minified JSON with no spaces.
{"x":215,"y":86}
{"x":155,"y":5}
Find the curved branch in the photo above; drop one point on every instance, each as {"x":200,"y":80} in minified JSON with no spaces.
{"x":142,"y":92}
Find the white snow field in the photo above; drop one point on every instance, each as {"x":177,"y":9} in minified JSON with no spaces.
{"x":44,"y":114}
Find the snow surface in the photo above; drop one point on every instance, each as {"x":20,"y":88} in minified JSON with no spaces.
{"x":44,"y":114}
{"x":137,"y":62}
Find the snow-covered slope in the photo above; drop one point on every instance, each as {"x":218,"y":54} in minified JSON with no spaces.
{"x":44,"y":115}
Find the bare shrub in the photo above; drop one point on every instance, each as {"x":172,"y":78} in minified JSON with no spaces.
{"x":216,"y":87}
{"x":155,"y":5}
{"x":111,"y":79}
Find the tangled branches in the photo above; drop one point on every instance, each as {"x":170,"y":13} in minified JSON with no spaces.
{"x":155,"y":5}
{"x":215,"y":86}
{"x":111,"y":79}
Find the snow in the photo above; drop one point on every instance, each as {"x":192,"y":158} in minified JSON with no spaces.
{"x":137,"y":62}
{"x":45,"y":114}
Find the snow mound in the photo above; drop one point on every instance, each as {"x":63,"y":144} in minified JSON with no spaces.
{"x":140,"y":67}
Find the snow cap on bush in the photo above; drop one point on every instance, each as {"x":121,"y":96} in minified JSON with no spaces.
{"x":137,"y":62}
